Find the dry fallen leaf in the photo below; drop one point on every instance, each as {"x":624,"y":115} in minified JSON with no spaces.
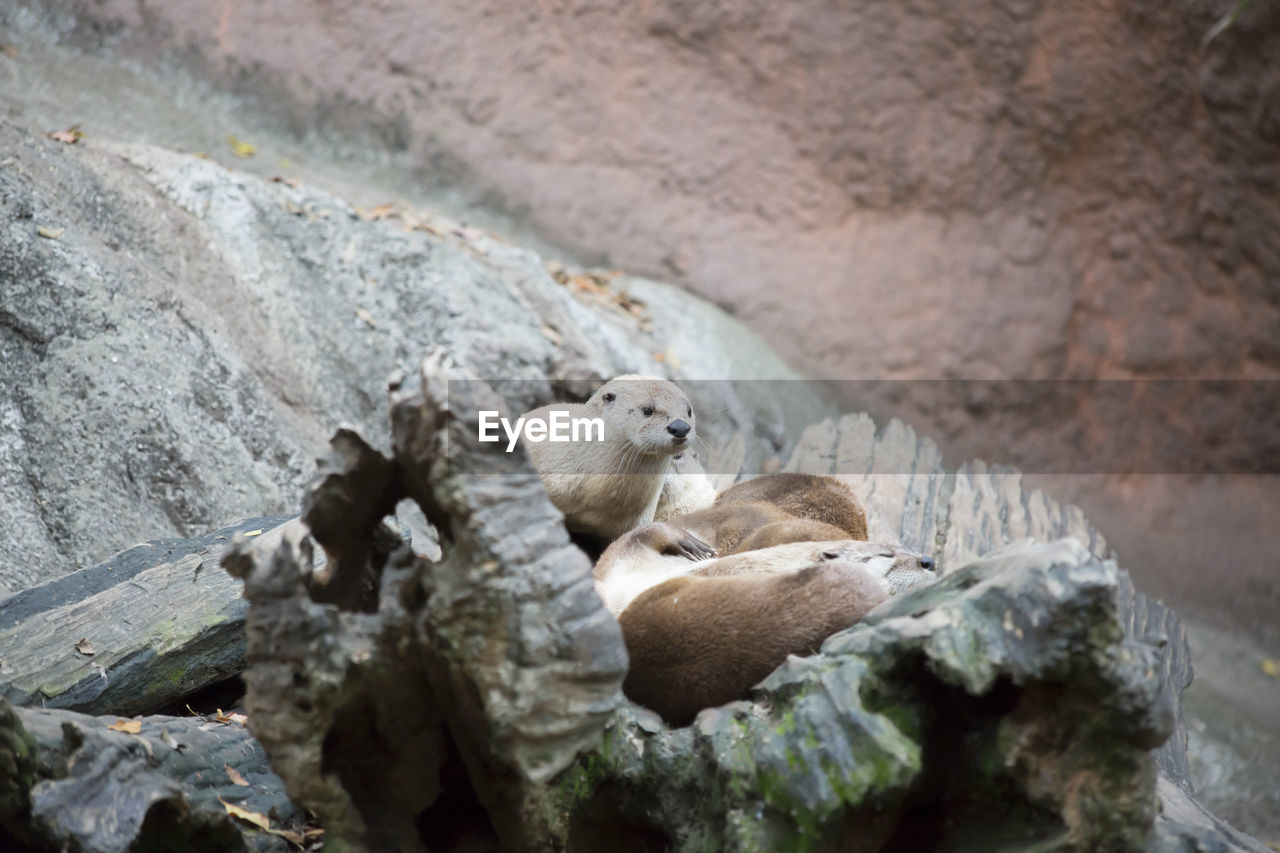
{"x":468,"y":233}
{"x":241,"y":148}
{"x":50,"y":233}
{"x":381,"y":211}
{"x":235,"y":777}
{"x":85,"y":647}
{"x":426,"y":226}
{"x":259,"y":820}
{"x":1271,"y":667}
{"x":233,"y":717}
{"x":70,"y":136}
{"x":288,"y":182}
{"x":131,"y":727}
{"x":257,"y":532}
{"x":295,"y":838}
{"x":552,"y":335}
{"x":366,"y":317}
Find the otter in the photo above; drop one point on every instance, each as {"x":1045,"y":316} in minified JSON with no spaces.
{"x":699,"y":641}
{"x":685,"y":489}
{"x":816,"y":497}
{"x":608,"y":487}
{"x":655,"y":553}
{"x":736,"y":527}
{"x":645,"y":557}
{"x":707,"y":636}
{"x":701,"y":630}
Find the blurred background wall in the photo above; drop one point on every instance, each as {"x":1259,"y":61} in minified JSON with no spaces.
{"x":913,"y":190}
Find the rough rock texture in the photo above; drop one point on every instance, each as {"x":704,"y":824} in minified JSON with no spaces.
{"x":1006,"y":705}
{"x":71,"y":783}
{"x":500,"y":655}
{"x":995,"y":685}
{"x":959,"y":516}
{"x":906,"y":168}
{"x":983,"y":189}
{"x":170,"y":362}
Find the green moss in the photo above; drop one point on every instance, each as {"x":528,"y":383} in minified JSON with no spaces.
{"x":582,"y":779}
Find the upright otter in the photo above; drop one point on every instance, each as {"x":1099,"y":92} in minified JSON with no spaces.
{"x":816,"y":497}
{"x":685,"y":489}
{"x":608,"y":487}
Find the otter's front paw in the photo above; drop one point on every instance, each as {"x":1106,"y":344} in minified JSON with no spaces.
{"x":691,"y":548}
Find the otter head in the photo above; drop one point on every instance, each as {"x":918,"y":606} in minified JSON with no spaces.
{"x":895,"y":567}
{"x":652,"y":414}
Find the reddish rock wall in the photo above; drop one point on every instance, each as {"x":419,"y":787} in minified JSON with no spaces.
{"x":915,"y":189}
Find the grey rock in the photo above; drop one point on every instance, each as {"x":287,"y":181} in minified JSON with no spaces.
{"x":171,"y":362}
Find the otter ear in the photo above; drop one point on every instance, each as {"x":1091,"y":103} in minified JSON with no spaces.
{"x":609,"y":397}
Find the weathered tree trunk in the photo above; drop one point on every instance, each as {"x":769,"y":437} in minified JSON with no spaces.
{"x":133,"y":634}
{"x":1016,"y":703}
{"x":70,"y":782}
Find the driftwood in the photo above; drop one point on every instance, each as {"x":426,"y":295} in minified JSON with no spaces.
{"x":477,"y":679}
{"x":956,"y":517}
{"x":474,"y":701}
{"x":70,"y":782}
{"x":416,"y":705}
{"x":134,"y":634}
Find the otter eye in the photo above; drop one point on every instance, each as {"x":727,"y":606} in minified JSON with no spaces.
{"x":830,"y":555}
{"x":647,"y":411}
{"x":688,"y":411}
{"x":610,"y":397}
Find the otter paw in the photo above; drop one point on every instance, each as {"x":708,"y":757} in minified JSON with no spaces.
{"x":692,"y":548}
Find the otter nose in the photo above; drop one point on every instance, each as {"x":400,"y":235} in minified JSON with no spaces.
{"x":679,"y":429}
{"x":927,"y":563}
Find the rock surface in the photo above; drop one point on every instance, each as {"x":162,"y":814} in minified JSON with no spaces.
{"x":1032,"y":192}
{"x":165,"y":372}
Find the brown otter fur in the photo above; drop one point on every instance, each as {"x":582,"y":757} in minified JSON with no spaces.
{"x":736,"y":527}
{"x":698,"y":641}
{"x":816,"y":497}
{"x":645,"y":557}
